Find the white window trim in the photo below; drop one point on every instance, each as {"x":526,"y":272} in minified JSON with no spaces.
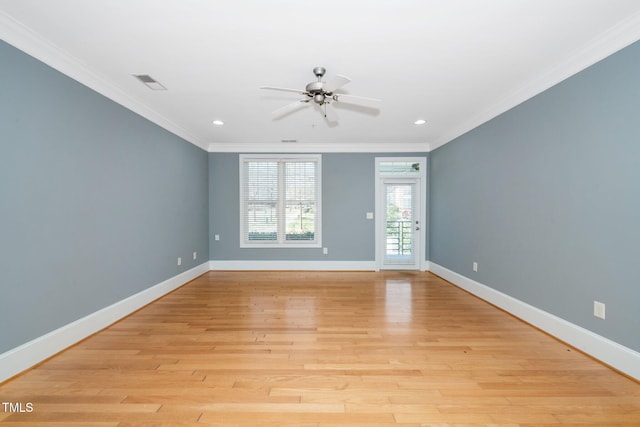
{"x":317,"y":243}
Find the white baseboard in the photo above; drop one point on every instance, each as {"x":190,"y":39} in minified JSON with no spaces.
{"x":613,"y":354}
{"x":35,"y":351}
{"x":293,"y":265}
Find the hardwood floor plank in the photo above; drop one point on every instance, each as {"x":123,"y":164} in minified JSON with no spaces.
{"x":270,"y":349}
{"x":293,"y":418}
{"x":62,"y":424}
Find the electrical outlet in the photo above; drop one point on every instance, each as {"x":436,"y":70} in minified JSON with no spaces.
{"x":179,"y":261}
{"x":195,"y":254}
{"x":475,"y":266}
{"x":325,"y":251}
{"x":216,"y":237}
{"x":369,"y":215}
{"x":599,"y":309}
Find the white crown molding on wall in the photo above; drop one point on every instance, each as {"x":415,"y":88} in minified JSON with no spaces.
{"x":35,"y":351}
{"x":302,"y":147}
{"x":609,"y":352}
{"x":37,"y":46}
{"x":615,"y":39}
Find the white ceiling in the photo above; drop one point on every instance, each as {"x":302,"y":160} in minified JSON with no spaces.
{"x":454,"y":63}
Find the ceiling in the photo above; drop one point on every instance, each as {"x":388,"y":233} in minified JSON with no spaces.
{"x":453,"y":63}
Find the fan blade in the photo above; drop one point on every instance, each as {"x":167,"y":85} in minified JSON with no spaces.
{"x":289,"y":108}
{"x":329,"y":112}
{"x":284,"y":89}
{"x":357,"y":100}
{"x":335,"y":82}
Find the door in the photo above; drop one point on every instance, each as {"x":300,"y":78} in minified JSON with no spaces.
{"x":400,"y":213}
{"x":401,"y":225}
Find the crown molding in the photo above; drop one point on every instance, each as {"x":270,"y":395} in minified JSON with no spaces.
{"x":33,"y":44}
{"x":608,"y":43}
{"x":326,"y":147}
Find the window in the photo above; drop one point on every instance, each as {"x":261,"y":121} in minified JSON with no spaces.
{"x":280,"y":201}
{"x":396,"y":168}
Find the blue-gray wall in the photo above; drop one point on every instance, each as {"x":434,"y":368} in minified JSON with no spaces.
{"x":546,"y":198}
{"x":96,"y":203}
{"x":348,"y":193}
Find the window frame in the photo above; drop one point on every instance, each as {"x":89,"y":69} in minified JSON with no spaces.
{"x":281,"y":242}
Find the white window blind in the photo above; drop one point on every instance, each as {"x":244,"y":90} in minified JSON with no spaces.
{"x":280,"y":201}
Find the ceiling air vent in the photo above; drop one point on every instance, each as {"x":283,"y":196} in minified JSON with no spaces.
{"x":288,"y":140}
{"x":149,"y":81}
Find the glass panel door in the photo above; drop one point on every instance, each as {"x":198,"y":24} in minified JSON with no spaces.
{"x":400,"y":225}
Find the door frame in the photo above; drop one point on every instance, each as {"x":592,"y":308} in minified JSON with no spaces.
{"x":421,"y":186}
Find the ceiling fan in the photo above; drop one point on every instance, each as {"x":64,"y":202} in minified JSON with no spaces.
{"x":322,"y":93}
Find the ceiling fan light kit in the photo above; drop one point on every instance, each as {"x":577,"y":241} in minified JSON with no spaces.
{"x":322,"y":93}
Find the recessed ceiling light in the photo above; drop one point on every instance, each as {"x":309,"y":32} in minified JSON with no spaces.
{"x":218,"y":122}
{"x":420,"y":122}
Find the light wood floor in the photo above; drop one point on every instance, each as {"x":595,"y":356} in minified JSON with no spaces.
{"x":321,"y":349}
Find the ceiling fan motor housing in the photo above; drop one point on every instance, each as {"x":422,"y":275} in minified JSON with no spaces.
{"x":315,"y":87}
